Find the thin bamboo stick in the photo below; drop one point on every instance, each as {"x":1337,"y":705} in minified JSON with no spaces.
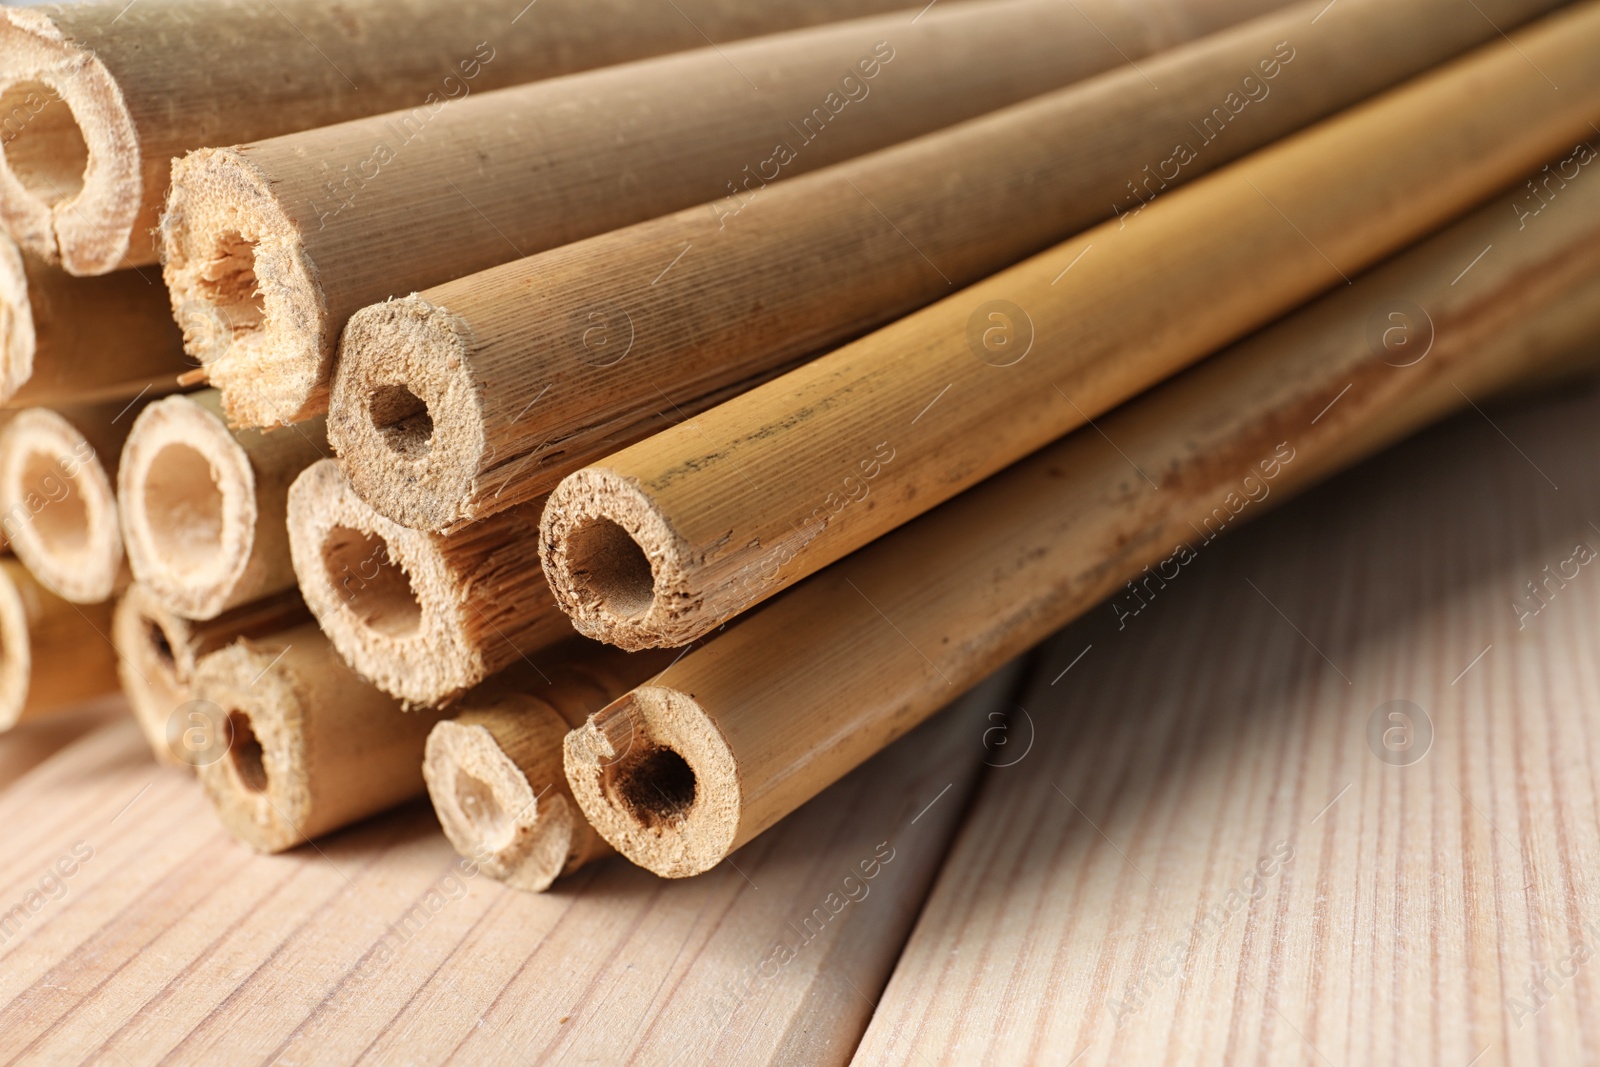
{"x":156,"y":654}
{"x":267,"y":239}
{"x":53,"y":655}
{"x":478,"y":395}
{"x":664,"y":541}
{"x":98,"y":97}
{"x":204,"y":506}
{"x":424,"y":616}
{"x":925,"y":611}
{"x":494,"y":772}
{"x":302,"y":745}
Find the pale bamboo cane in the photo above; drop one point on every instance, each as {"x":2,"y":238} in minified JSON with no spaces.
{"x":53,"y":655}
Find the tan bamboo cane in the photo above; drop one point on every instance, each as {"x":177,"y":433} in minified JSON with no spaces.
{"x":156,"y":654}
{"x":97,"y":98}
{"x":298,"y":744}
{"x":665,"y":540}
{"x":53,"y":655}
{"x":204,"y":506}
{"x":494,"y":771}
{"x":424,"y":616}
{"x":274,"y":243}
{"x":478,"y":395}
{"x":790,"y":698}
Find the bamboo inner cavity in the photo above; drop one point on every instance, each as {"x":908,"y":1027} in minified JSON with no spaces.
{"x":402,"y":420}
{"x":362,"y":569}
{"x":42,"y":142}
{"x":184,"y":506}
{"x":245,"y":756}
{"x":607,"y":564}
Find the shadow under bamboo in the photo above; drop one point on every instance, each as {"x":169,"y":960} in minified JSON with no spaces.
{"x":98,"y":97}
{"x":204,"y":506}
{"x":930,"y":608}
{"x":258,"y":238}
{"x":480,"y":394}
{"x":424,"y":616}
{"x":662,"y":542}
{"x":53,"y":655}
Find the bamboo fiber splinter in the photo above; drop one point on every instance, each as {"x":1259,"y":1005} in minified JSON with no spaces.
{"x":662,"y":542}
{"x":100,"y":96}
{"x":204,"y":507}
{"x":746,"y":729}
{"x":52,"y":654}
{"x":478,"y":395}
{"x":278,"y":242}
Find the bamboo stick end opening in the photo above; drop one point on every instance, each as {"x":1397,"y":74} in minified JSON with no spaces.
{"x":16,"y":654}
{"x":17,"y":332}
{"x":155,"y":662}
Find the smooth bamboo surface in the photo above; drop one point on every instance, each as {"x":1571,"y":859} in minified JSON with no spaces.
{"x":997,"y":569}
{"x":204,"y":506}
{"x":256,"y":236}
{"x":519,"y":375}
{"x":53,"y":655}
{"x":664,"y":541}
{"x":424,"y":616}
{"x":100,"y":96}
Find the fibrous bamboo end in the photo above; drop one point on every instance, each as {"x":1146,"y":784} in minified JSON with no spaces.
{"x":16,"y":651}
{"x":188,"y":497}
{"x":657,"y":780}
{"x":18,"y":339}
{"x":58,"y":507}
{"x":407,"y":414}
{"x":243,"y":290}
{"x":155,"y":661}
{"x":70,"y":178}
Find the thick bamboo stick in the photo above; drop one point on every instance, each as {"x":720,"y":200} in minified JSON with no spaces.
{"x":97,"y":98}
{"x":308,"y":747}
{"x":478,"y":395}
{"x":662,"y":542}
{"x":925,"y":611}
{"x":156,"y":654}
{"x":285,"y":239}
{"x":424,"y":616}
{"x":204,"y":506}
{"x":494,"y":771}
{"x":53,"y":655}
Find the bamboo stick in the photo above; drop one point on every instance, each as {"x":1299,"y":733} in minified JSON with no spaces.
{"x":204,"y":506}
{"x":494,"y":772}
{"x":256,"y":235}
{"x":310,"y":747}
{"x":98,"y":97}
{"x":156,"y":654}
{"x":424,"y":616}
{"x":53,"y":655}
{"x":478,"y":395}
{"x":56,"y":499}
{"x":927,"y":610}
{"x":663,"y":541}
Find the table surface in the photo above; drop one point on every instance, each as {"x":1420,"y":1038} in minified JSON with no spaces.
{"x":1329,"y":799}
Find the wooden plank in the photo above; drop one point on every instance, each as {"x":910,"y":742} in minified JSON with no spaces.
{"x":1203,"y":858}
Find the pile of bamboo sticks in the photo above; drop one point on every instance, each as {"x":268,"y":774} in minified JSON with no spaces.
{"x":620,"y":439}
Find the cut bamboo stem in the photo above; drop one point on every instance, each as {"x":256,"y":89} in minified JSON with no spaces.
{"x":303,"y":746}
{"x":100,"y":96}
{"x":156,"y":654}
{"x":424,"y":616}
{"x":494,"y":772}
{"x":56,"y":499}
{"x":664,"y":541}
{"x":53,"y":655}
{"x":285,"y":239}
{"x":946,"y":598}
{"x":204,"y":506}
{"x":480,"y":394}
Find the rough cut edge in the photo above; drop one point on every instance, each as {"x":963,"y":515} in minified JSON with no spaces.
{"x":207,"y":593}
{"x":89,"y":233}
{"x":155,"y":687}
{"x":256,"y":682}
{"x":17,"y":332}
{"x":16,"y":652}
{"x":88,"y":576}
{"x":653,"y":717}
{"x":273,"y":373}
{"x":425,"y":348}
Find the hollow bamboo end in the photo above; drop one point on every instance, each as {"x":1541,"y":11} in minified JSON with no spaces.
{"x":244,"y":291}
{"x":382,"y":593}
{"x":155,"y":662}
{"x":188,"y":497}
{"x":18,"y":339}
{"x":70,"y":183}
{"x":16,"y":650}
{"x":407,"y":413}
{"x":656,"y":779}
{"x":58,"y":507}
